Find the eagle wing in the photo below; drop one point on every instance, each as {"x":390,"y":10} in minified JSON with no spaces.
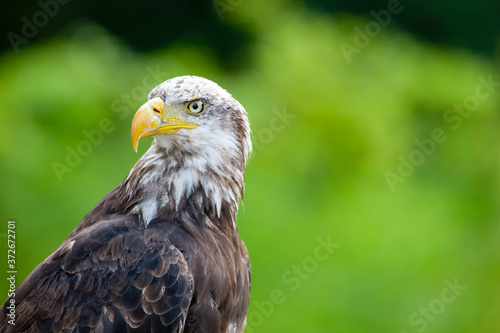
{"x":111,"y":276}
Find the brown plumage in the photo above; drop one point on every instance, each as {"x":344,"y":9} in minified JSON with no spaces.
{"x":160,"y":252}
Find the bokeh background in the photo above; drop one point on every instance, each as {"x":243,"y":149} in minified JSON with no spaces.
{"x":376,"y":127}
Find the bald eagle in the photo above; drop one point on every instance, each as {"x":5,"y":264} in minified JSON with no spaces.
{"x":161,"y":251}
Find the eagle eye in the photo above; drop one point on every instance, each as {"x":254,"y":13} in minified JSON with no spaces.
{"x":196,"y":106}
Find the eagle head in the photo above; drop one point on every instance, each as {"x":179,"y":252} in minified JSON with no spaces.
{"x":196,"y":115}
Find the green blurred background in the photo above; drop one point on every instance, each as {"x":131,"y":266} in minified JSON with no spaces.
{"x":382,"y":137}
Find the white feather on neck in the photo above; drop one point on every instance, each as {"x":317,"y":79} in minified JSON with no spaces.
{"x":190,"y":176}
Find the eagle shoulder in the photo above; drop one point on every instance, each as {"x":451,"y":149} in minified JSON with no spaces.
{"x":110,"y":274}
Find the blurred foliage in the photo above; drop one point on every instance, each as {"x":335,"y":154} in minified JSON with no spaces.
{"x":468,"y":24}
{"x":318,"y":172}
{"x":154,"y":25}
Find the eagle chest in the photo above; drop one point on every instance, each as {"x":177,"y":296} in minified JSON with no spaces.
{"x":221,"y":271}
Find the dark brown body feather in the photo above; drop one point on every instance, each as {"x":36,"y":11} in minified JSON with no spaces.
{"x":119,"y":276}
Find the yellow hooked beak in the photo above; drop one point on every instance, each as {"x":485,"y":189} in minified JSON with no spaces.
{"x":154,"y":118}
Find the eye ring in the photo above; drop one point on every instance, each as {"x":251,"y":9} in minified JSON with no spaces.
{"x":196,"y":106}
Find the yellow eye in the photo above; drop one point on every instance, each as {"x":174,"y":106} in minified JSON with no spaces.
{"x":196,"y":107}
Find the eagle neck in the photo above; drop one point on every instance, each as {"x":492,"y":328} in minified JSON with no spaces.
{"x":168,"y":182}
